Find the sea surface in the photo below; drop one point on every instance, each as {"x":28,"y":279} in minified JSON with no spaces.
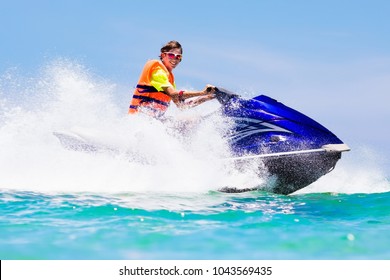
{"x":150,"y":191}
{"x":210,"y":225}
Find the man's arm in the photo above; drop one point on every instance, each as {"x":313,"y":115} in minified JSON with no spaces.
{"x":178,"y":97}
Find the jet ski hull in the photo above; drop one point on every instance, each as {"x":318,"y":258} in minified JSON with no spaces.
{"x":295,"y":172}
{"x":294,"y":149}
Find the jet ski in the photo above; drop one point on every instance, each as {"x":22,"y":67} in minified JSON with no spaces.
{"x":295,"y":150}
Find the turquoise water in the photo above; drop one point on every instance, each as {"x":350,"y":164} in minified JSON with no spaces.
{"x":211,"y":225}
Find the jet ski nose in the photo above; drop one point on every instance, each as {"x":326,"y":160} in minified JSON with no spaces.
{"x":336,"y":148}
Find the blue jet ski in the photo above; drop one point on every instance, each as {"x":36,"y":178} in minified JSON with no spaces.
{"x":295,"y":149}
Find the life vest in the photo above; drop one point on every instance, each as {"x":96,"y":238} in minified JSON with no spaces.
{"x":147,"y":98}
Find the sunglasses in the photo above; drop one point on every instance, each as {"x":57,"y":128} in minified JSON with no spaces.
{"x":172,"y":55}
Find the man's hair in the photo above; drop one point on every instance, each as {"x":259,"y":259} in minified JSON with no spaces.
{"x":170,"y":46}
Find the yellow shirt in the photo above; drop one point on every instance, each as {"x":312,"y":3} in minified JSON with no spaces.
{"x":160,"y":79}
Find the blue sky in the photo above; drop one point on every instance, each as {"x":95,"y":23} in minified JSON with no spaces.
{"x":329,"y":59}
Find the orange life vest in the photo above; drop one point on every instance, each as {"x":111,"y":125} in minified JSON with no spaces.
{"x":147,"y":98}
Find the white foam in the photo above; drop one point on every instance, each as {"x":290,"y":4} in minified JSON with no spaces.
{"x":146,"y":155}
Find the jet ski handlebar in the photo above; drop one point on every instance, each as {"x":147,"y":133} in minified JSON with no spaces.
{"x":223,"y":95}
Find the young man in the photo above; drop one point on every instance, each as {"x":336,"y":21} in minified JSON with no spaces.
{"x":156,"y":86}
